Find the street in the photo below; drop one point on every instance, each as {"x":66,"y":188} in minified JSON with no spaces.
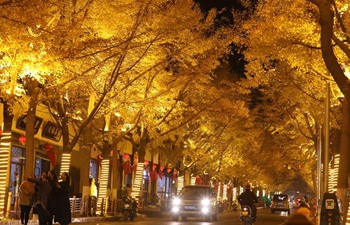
{"x":227,"y":218}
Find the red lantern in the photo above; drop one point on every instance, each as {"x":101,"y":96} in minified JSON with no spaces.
{"x":22,"y":139}
{"x":154,"y":175}
{"x":126,"y":167}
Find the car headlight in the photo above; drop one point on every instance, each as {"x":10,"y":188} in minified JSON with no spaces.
{"x":205,"y":202}
{"x":205,"y":210}
{"x":175,"y":209}
{"x":176,"y":201}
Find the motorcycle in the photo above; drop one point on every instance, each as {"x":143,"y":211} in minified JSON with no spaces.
{"x":129,"y":207}
{"x":246,"y":215}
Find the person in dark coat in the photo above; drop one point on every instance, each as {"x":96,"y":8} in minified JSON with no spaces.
{"x":63,"y":214}
{"x":52,"y":198}
{"x":249,"y":198}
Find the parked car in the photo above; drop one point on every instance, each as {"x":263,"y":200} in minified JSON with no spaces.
{"x":195,"y":201}
{"x":280,"y":203}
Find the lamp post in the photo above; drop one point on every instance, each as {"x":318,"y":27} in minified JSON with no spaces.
{"x":326,"y":142}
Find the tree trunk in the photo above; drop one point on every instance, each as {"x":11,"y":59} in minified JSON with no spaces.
{"x":5,"y":153}
{"x":326,"y":22}
{"x":32,"y":86}
{"x":344,"y":157}
{"x":65,"y":136}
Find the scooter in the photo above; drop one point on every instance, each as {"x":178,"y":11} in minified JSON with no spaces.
{"x":129,"y":207}
{"x":246,"y":215}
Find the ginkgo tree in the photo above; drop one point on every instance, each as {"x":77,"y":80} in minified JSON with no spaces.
{"x":307,"y":36}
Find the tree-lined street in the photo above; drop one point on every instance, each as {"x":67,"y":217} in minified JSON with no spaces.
{"x":157,"y":94}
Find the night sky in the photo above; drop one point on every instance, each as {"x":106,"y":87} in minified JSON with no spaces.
{"x":236,"y":58}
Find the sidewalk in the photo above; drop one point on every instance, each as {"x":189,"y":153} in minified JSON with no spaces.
{"x":144,"y":212}
{"x":90,"y":219}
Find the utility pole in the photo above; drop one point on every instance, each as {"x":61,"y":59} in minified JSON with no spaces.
{"x":319,"y":164}
{"x":326,"y":142}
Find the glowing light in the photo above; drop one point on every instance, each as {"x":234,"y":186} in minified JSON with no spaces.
{"x":180,"y":183}
{"x":219,"y":191}
{"x":193,"y":180}
{"x":348,"y":217}
{"x":5,"y":144}
{"x":333,"y":175}
{"x":65,"y":163}
{"x":224,"y":192}
{"x":136,"y":187}
{"x":102,"y":195}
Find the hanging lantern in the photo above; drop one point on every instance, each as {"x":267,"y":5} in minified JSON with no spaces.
{"x":22,"y":139}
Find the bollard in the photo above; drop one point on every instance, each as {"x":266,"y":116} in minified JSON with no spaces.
{"x":330,"y":210}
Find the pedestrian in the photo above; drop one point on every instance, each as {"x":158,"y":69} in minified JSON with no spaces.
{"x":52,"y":197}
{"x":93,"y":197}
{"x":63,"y":213}
{"x":26,"y":191}
{"x":297,"y":219}
{"x":34,"y":197}
{"x":42,"y":198}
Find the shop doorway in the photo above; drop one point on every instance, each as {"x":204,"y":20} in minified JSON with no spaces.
{"x":16,"y":171}
{"x":41,"y":165}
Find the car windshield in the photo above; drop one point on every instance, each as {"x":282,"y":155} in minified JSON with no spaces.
{"x":195,"y":191}
{"x":280,"y":197}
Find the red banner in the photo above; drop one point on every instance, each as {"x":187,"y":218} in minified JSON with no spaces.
{"x":126,"y":167}
{"x":51,"y":153}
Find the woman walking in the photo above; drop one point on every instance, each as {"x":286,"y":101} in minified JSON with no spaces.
{"x":26,"y":192}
